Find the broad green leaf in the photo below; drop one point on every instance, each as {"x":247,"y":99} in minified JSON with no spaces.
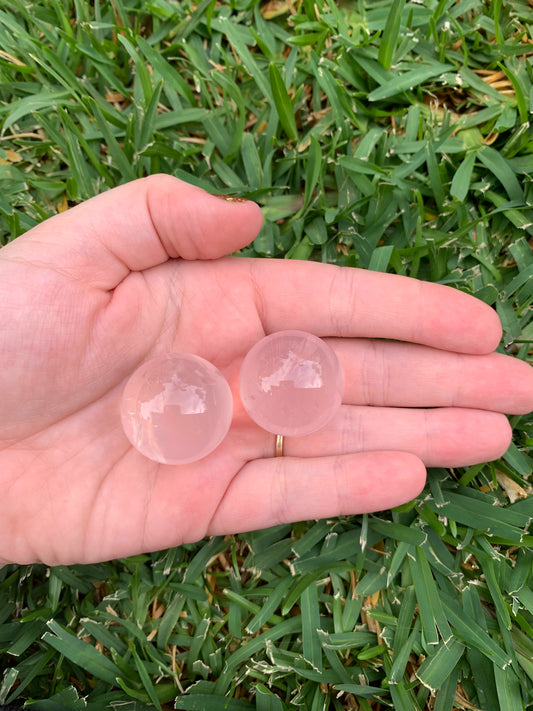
{"x":462,"y":177}
{"x":524,"y":278}
{"x":481,"y":514}
{"x":140,"y":68}
{"x":391,"y":33}
{"x":313,"y":170}
{"x":434,"y":622}
{"x":474,"y":635}
{"x":104,"y":634}
{"x":408,"y":81}
{"x":266,"y":700}
{"x":347,"y":640}
{"x":45,"y":100}
{"x":286,"y":627}
{"x":66,"y":699}
{"x":271,"y":604}
{"x":9,"y":678}
{"x":196,"y":566}
{"x":234,"y":35}
{"x":401,"y":657}
{"x":316,"y":231}
{"x":447,"y":692}
{"x":148,"y":121}
{"x":508,"y":690}
{"x":522,"y":87}
{"x":502,"y":171}
{"x":115,"y":149}
{"x":330,"y":87}
{"x":144,"y":676}
{"x":512,"y":329}
{"x":168,"y":73}
{"x":83,"y":654}
{"x":197,"y":643}
{"x":436,"y":668}
{"x":522,"y":253}
{"x":282,"y":102}
{"x":252,"y":161}
{"x":403,"y":699}
{"x":471,"y":79}
{"x":312,"y":650}
{"x":406,"y":618}
{"x":379,"y":262}
{"x":435,"y":178}
{"x":202,"y":702}
{"x":28,"y":634}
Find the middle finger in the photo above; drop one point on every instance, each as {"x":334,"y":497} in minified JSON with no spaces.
{"x":394,"y":374}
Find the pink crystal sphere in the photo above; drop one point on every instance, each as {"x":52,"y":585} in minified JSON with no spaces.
{"x":291,"y":383}
{"x":176,"y":408}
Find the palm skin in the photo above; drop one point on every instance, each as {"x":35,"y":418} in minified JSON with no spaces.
{"x":139,"y":271}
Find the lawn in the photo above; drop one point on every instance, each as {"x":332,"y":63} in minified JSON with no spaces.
{"x":388,"y":135}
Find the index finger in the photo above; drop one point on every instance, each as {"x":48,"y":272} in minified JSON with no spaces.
{"x":342,"y":301}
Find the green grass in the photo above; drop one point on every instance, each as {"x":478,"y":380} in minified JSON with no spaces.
{"x":390,"y":135}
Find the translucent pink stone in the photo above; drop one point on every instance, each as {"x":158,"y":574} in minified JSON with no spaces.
{"x":176,"y":408}
{"x":291,"y":383}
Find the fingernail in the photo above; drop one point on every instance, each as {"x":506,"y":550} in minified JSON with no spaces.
{"x":230,"y":198}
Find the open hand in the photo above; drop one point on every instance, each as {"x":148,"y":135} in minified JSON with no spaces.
{"x":138,"y":271}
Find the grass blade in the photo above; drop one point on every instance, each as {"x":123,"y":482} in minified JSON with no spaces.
{"x":500,"y":168}
{"x":282,"y":102}
{"x":474,"y":635}
{"x":203,"y":702}
{"x":508,"y":690}
{"x":312,"y":649}
{"x":391,"y":33}
{"x":313,"y":169}
{"x":438,"y":667}
{"x":35,"y":102}
{"x":462,"y":177}
{"x":81,"y":653}
{"x":434,"y":622}
{"x":408,"y":81}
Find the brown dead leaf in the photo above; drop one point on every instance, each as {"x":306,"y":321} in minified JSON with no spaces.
{"x":158,"y":610}
{"x":275,"y":8}
{"x":372,"y":624}
{"x":513,"y":490}
{"x":497,"y":80}
{"x":114,"y":97}
{"x":10,"y":156}
{"x":62,"y":205}
{"x":10,"y":58}
{"x":462,"y":700}
{"x":491,"y":138}
{"x":13,"y":156}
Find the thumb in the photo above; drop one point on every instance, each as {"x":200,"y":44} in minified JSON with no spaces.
{"x":137,"y":226}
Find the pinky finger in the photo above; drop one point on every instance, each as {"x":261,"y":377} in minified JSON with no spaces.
{"x":268,"y":492}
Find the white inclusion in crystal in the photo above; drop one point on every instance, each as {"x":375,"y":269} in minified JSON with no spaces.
{"x":300,"y":372}
{"x":191,"y":399}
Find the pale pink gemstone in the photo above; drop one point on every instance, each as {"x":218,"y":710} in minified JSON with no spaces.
{"x":176,"y":408}
{"x":291,"y":383}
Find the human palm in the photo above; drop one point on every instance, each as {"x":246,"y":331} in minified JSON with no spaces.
{"x":139,"y":271}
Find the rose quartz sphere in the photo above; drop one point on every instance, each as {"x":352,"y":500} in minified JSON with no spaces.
{"x":176,"y":408}
{"x":291,"y":383}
